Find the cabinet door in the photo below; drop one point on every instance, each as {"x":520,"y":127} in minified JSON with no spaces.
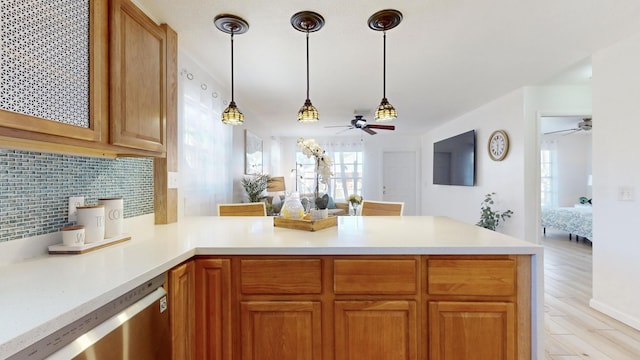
{"x":376,"y":330}
{"x":138,"y":79}
{"x":36,"y":106}
{"x":182,"y":281}
{"x":472,"y":330}
{"x":281,"y":330}
{"x":213,"y":309}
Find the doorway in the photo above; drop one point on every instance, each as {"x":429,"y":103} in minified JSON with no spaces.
{"x":399,"y":179}
{"x":565,"y":175}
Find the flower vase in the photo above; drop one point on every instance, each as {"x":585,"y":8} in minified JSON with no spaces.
{"x":353,"y":209}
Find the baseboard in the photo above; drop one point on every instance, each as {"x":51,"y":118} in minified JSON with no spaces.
{"x":616,"y":314}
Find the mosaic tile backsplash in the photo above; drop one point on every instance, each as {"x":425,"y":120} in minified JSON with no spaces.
{"x":35,"y":188}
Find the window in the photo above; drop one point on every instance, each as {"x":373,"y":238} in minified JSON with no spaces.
{"x":548,"y":175}
{"x":346,"y":179}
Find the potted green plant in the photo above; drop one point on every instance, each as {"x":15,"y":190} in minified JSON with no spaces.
{"x":255,"y":186}
{"x":489,"y":218}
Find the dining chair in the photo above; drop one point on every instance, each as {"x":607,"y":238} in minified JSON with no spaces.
{"x":245,"y":209}
{"x":381,"y":208}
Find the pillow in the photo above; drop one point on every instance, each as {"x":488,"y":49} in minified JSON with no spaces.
{"x":332,"y":204}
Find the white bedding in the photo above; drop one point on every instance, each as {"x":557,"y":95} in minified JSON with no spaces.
{"x":574,"y":220}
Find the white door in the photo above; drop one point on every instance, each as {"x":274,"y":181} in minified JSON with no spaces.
{"x":399,"y":179}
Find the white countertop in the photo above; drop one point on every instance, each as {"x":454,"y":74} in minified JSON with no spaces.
{"x":42,"y":294}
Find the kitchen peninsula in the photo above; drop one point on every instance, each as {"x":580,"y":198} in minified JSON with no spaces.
{"x":417,"y":280}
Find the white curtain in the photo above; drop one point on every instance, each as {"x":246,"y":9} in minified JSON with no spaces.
{"x":204,"y":144}
{"x":347,"y":166}
{"x":549,"y":173}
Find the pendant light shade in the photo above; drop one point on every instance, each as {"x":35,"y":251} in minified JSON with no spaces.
{"x":307,"y":21}
{"x":385,"y":20}
{"x":231,"y":24}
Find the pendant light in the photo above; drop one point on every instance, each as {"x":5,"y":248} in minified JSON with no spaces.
{"x":307,"y":22}
{"x":231,"y":24}
{"x":385,"y":20}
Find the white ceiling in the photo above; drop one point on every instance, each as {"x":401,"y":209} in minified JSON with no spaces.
{"x":447,"y":57}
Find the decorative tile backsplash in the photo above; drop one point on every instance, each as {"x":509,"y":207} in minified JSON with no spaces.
{"x":35,"y":188}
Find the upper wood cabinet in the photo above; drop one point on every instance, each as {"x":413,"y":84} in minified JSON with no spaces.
{"x":19,"y":124}
{"x":138,"y":79}
{"x":132,"y":73}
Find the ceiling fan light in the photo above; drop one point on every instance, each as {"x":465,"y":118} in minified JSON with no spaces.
{"x":232,"y":115}
{"x":385,"y":112}
{"x":308,"y":113}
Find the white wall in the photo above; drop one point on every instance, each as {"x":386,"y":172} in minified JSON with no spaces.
{"x":374,"y":148}
{"x":574,"y":167}
{"x":503,"y":177}
{"x":252,"y":124}
{"x":616,"y":247}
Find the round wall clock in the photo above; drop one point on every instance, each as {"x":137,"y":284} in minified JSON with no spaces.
{"x":498,"y":145}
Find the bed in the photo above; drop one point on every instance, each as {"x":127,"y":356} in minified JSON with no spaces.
{"x":575,"y":220}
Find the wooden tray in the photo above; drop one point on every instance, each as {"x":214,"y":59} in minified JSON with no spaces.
{"x":307,"y":225}
{"x":81,"y":249}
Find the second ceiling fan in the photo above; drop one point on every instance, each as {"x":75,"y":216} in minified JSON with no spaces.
{"x":359,"y":122}
{"x":585,"y":125}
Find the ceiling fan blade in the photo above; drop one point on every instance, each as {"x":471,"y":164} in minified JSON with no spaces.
{"x":559,"y":131}
{"x":381,"y":127}
{"x":569,"y":133}
{"x":368,"y":131}
{"x":347,"y":129}
{"x":336,"y":126}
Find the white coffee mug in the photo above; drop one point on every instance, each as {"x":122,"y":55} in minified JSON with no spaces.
{"x":73,"y":235}
{"x":113,"y":212}
{"x":92,"y":218}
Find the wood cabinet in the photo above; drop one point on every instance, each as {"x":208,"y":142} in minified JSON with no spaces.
{"x":376,"y":312}
{"x":472,"y":330}
{"x":182,"y":285}
{"x":363,"y":307}
{"x":280,"y":304}
{"x":138,"y":79}
{"x":28,"y":128}
{"x":383,"y":330}
{"x":213,"y":309}
{"x":128,"y":91}
{"x":478,"y":307}
{"x":284,"y":330}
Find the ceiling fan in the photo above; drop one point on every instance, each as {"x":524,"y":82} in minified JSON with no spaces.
{"x":359,"y":122}
{"x":584,"y":125}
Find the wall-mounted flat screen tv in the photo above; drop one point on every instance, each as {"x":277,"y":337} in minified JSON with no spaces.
{"x":454,"y":160}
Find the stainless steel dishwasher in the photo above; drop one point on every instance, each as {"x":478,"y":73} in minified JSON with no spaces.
{"x":133,"y":326}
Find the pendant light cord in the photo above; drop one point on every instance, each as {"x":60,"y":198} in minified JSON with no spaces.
{"x":384,"y":64}
{"x":232,"y":66}
{"x":307,"y":64}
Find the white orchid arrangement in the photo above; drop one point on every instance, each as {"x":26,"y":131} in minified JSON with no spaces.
{"x":311,"y":148}
{"x":355,"y":199}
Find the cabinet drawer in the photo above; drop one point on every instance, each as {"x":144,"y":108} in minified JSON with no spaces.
{"x":281,"y":276}
{"x":375,"y":276}
{"x":471,"y":277}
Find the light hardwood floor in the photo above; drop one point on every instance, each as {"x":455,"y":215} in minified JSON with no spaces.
{"x":573,"y":330}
